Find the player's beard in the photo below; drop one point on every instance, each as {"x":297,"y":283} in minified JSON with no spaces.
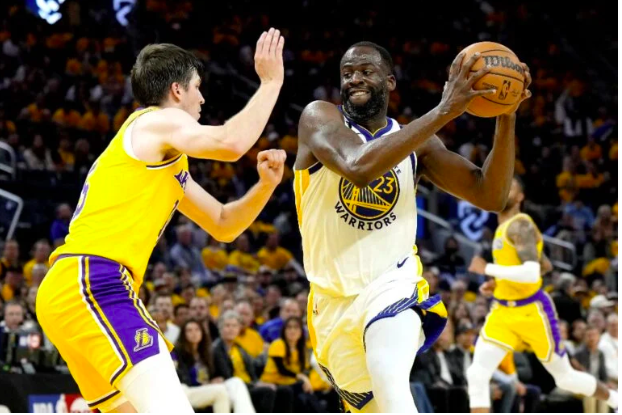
{"x":377,"y":102}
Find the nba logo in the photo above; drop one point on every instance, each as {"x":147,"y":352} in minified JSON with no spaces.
{"x":143,"y":340}
{"x":505,"y":88}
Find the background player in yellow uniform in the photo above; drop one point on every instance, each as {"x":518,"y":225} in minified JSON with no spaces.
{"x":88,"y":304}
{"x":356,"y":176}
{"x":522,"y":313}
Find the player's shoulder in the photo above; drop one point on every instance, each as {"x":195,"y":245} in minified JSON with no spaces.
{"x":521,"y":224}
{"x":319,"y":111}
{"x":164,"y":120}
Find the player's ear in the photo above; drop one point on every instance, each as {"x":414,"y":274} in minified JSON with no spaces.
{"x":391,"y":82}
{"x":176,"y":90}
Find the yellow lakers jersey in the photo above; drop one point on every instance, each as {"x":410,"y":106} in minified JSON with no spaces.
{"x":504,"y":253}
{"x":351,"y":235}
{"x":125,"y":205}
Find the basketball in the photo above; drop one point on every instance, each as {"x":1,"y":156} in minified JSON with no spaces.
{"x":507,"y":77}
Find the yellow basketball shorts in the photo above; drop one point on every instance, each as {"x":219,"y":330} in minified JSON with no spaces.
{"x":337,"y":326}
{"x":89,"y":309}
{"x":531,"y":322}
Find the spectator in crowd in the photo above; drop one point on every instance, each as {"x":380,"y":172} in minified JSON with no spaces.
{"x":442,"y":375}
{"x":237,"y":364}
{"x":13,"y":284}
{"x":164,"y":304}
{"x":568,"y":308}
{"x":181,"y":313}
{"x":589,"y":358}
{"x":215,"y":256}
{"x":13,"y":320}
{"x":271,"y":330}
{"x":60,"y":226}
{"x":184,"y":254}
{"x":608,"y":345}
{"x":241,"y":257}
{"x":273,"y":255}
{"x":289,"y":365}
{"x":10,"y":257}
{"x":451,"y":264}
{"x":38,"y":156}
{"x":248,"y":338}
{"x":196,"y":370}
{"x":41,"y":253}
{"x":199,"y":311}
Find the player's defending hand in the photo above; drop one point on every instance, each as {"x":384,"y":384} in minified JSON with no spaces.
{"x":269,"y":57}
{"x":270,"y":166}
{"x":459,"y":92}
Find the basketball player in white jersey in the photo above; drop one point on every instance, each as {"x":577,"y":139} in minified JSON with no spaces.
{"x":356,"y":175}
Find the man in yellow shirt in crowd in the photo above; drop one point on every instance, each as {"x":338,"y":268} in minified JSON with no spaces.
{"x":249,"y":339}
{"x":10,"y":257}
{"x":41,"y":253}
{"x":215,"y":256}
{"x":241,"y":258}
{"x":592,"y":151}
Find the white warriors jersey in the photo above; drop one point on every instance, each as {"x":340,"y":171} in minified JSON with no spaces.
{"x":351,"y":236}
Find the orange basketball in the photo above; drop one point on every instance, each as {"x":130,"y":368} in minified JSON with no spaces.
{"x":507,"y":77}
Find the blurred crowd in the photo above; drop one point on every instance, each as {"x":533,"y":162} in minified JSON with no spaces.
{"x":237,"y":312}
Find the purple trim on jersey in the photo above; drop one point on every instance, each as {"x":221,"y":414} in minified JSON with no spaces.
{"x":168,"y":163}
{"x":119,"y":303}
{"x":317,"y":166}
{"x":368,"y":136}
{"x":104,"y":399}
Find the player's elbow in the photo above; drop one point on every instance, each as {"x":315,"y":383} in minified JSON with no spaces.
{"x":225,"y":237}
{"x":358,"y":176}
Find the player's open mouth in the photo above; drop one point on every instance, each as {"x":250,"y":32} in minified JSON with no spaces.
{"x":358,"y":93}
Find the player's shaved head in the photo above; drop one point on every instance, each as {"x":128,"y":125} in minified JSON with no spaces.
{"x":362,"y":48}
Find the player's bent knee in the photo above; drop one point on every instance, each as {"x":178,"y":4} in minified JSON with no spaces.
{"x":570,"y":379}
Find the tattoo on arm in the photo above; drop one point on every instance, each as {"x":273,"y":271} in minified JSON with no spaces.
{"x":523,"y":235}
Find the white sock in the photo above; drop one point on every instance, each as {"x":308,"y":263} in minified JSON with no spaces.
{"x":612,"y":401}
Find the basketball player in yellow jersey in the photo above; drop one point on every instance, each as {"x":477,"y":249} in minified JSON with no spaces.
{"x":356,"y":174}
{"x":521,"y":312}
{"x":88,"y":304}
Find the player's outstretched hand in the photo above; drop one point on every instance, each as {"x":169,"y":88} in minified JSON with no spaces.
{"x":269,"y":57}
{"x":270,"y":166}
{"x":459,"y":92}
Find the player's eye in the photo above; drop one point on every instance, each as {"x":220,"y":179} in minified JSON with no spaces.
{"x":347,"y":75}
{"x":367,"y":72}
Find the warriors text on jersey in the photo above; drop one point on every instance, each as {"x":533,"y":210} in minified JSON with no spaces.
{"x":352,"y":235}
{"x":125,"y":205}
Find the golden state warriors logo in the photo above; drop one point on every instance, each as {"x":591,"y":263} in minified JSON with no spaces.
{"x":369,"y":208}
{"x":143,"y":340}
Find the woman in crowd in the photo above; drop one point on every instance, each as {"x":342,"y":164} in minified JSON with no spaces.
{"x":203,"y":384}
{"x":288,"y":365}
{"x":234,"y":361}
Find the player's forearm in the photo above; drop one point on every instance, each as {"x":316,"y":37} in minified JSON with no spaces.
{"x":244,"y":129}
{"x":377,"y":157}
{"x":237,"y":216}
{"x":498,"y":169}
{"x":527,"y":272}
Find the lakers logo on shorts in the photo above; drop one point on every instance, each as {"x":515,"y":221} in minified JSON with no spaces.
{"x":372,"y":202}
{"x":143,"y":340}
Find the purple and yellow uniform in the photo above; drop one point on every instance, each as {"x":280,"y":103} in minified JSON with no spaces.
{"x":521,"y":313}
{"x":88,"y":304}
